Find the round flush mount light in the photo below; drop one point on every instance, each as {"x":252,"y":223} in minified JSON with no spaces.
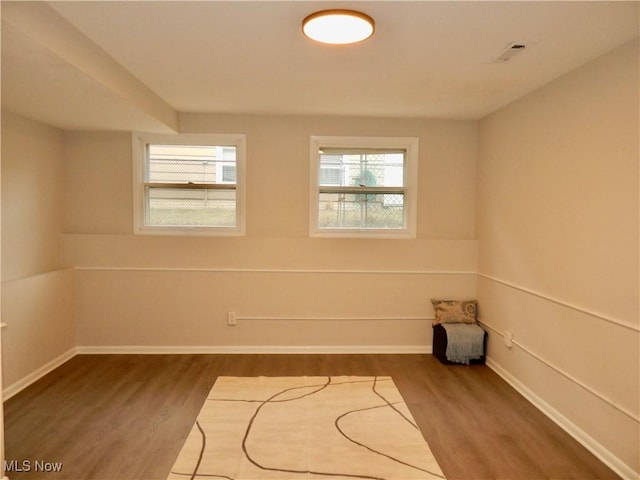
{"x":338,"y":27}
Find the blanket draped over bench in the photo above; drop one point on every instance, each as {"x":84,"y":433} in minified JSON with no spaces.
{"x":465,"y":342}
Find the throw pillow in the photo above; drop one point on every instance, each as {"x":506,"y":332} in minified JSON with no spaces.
{"x":455,"y":311}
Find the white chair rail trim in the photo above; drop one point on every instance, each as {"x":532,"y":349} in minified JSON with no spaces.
{"x":591,"y":313}
{"x":280,"y":270}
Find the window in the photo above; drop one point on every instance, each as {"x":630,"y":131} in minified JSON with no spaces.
{"x":189,"y":184}
{"x":363,"y":186}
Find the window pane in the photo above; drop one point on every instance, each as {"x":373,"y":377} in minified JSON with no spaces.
{"x":366,"y":168}
{"x":228,"y":174}
{"x":344,"y":210}
{"x":330,"y":175}
{"x":191,"y":163}
{"x":191,"y":207}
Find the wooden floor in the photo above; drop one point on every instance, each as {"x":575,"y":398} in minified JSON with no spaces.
{"x":119,"y":417}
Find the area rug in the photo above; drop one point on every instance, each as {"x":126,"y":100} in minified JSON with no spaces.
{"x":262,"y":428}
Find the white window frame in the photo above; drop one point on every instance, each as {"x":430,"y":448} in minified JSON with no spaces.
{"x":140,"y":142}
{"x":409,"y":144}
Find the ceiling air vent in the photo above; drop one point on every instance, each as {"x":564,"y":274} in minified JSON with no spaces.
{"x":510,"y":51}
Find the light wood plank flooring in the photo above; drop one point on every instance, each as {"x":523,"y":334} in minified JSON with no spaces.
{"x":119,"y":417}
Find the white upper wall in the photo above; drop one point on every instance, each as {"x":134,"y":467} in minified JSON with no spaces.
{"x":32,"y":196}
{"x":558,"y":188}
{"x":99,"y":169}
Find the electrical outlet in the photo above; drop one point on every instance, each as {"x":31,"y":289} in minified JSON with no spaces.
{"x":508,"y":338}
{"x":231,"y":319}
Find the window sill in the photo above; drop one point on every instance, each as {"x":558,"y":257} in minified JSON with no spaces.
{"x":190,"y":231}
{"x":355,"y":233}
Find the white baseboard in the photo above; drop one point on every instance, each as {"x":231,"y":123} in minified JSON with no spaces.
{"x":265,"y":349}
{"x":567,"y":425}
{"x":23,"y":383}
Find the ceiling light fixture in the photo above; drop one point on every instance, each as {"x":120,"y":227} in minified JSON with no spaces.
{"x":338,"y":27}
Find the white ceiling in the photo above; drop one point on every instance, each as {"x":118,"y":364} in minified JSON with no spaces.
{"x":426,"y":59}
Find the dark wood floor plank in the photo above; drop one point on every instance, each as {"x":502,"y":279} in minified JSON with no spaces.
{"x":121,"y":417}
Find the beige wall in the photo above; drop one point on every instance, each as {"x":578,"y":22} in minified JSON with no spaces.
{"x":176,"y":291}
{"x":32,"y":197}
{"x":558,"y":247}
{"x":98,"y":183}
{"x":36,"y":292}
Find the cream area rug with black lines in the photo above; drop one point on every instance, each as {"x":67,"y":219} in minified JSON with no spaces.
{"x":262,"y":428}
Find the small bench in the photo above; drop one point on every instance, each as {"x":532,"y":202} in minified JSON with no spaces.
{"x":440,"y":342}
